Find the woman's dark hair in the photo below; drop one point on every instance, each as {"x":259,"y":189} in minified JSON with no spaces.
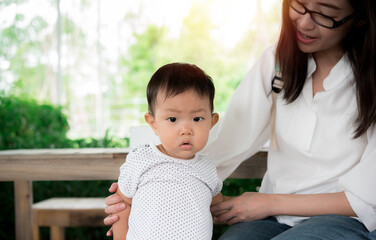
{"x":360,"y":47}
{"x":176,"y":78}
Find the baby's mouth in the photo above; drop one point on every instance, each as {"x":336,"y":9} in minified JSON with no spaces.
{"x":186,"y":146}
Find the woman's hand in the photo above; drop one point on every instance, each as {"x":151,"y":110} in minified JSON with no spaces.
{"x":114,"y":204}
{"x":249,"y":206}
{"x":215,"y":202}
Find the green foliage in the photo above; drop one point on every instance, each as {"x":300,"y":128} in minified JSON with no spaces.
{"x":21,"y":48}
{"x":141,"y":61}
{"x":106,"y":142}
{"x":9,"y":2}
{"x":236,"y":187}
{"x":26,"y":124}
{"x":7,"y":228}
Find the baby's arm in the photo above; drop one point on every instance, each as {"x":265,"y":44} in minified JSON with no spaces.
{"x":120,"y":228}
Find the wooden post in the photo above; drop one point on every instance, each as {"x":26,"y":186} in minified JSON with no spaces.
{"x":57,"y":233}
{"x":23,"y":199}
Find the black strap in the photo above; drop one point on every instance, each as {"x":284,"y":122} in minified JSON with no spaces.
{"x":277,"y":83}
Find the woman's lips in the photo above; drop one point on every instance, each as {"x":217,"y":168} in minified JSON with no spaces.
{"x":303,"y":38}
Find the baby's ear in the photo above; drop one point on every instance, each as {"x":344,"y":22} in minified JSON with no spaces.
{"x":215,"y":118}
{"x":149,"y":118}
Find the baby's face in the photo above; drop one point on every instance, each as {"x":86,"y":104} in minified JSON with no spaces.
{"x":183,"y":123}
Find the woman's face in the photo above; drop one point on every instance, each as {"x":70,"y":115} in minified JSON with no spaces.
{"x":311,"y":37}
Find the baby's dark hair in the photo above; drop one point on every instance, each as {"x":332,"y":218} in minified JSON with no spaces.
{"x":176,"y":78}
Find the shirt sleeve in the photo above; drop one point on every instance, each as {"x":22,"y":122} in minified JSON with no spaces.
{"x":218,"y":187}
{"x":244,"y":128}
{"x":130,"y":173}
{"x":359,"y":184}
{"x":209,"y":175}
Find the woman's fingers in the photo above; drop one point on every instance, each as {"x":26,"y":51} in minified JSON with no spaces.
{"x":233,"y":220}
{"x":222,"y":212}
{"x":115,"y":208}
{"x":109,"y":232}
{"x":222,"y":208}
{"x":226,"y":198}
{"x":225,"y":205}
{"x":113,"y":187}
{"x":225,"y":217}
{"x":110,"y":219}
{"x":114,"y":204}
{"x":113,"y":199}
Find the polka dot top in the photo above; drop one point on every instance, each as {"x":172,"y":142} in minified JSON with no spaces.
{"x":170,"y":197}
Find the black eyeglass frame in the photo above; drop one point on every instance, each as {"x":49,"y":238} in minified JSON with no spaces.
{"x":336,"y":24}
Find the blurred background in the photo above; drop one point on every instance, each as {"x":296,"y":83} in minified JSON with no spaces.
{"x":73,"y":73}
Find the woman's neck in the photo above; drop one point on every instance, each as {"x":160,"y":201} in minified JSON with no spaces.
{"x":325,"y":61}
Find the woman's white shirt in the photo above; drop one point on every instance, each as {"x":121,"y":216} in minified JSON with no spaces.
{"x":317,"y":152}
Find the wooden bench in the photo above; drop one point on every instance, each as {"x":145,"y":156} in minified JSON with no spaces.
{"x":25,"y":166}
{"x":58,"y":213}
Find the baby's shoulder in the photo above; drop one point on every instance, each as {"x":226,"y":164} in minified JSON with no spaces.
{"x":205,"y":161}
{"x":141,"y":148}
{"x":141,"y":152}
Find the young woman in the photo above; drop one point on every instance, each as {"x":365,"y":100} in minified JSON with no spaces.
{"x":321,"y":177}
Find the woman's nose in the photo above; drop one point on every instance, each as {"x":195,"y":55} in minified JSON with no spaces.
{"x":305,"y":22}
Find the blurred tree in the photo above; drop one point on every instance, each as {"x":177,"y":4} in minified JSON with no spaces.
{"x":28,"y":50}
{"x":154,"y":47}
{"x":141,"y":61}
{"x":28,"y":58}
{"x":22,"y":54}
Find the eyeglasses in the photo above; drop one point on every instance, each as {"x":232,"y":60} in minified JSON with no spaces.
{"x":319,"y":18}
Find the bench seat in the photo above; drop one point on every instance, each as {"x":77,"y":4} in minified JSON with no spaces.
{"x":58,"y":213}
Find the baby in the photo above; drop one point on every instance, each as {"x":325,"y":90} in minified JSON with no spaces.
{"x":170,"y":186}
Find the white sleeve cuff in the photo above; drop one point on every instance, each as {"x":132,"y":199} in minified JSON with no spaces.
{"x":366,"y":213}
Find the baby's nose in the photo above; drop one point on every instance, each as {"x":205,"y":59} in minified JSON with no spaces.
{"x":186,"y":129}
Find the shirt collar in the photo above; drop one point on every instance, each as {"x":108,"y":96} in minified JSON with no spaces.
{"x":340,"y":72}
{"x":311,"y":66}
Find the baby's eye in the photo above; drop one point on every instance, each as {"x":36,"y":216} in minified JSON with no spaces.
{"x":172,"y":119}
{"x":197,"y":119}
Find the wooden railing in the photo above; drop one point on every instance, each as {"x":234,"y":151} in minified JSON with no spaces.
{"x":24,"y":166}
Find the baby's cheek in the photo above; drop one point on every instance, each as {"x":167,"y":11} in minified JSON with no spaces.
{"x":202,"y":141}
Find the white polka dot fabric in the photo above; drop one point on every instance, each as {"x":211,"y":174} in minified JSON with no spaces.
{"x":170,"y":197}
